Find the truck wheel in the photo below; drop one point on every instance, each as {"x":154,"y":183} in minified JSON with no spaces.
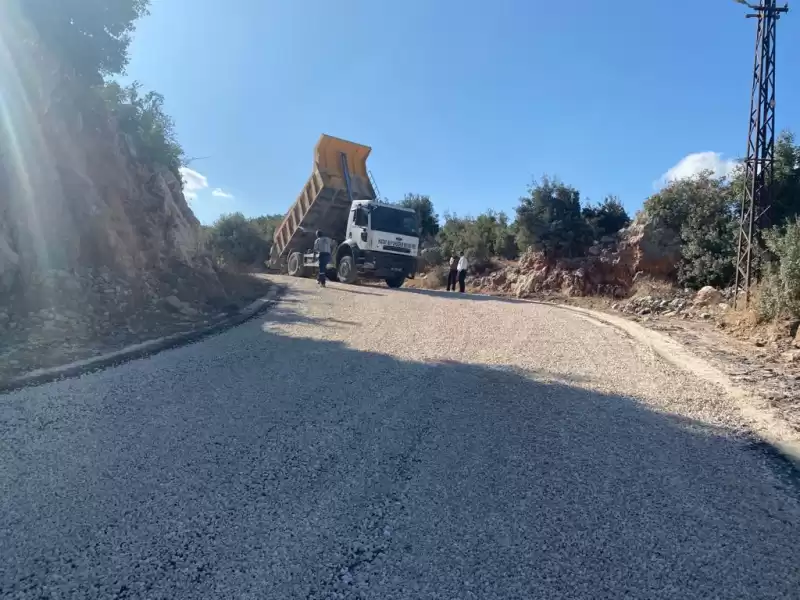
{"x":395,"y":282}
{"x":347,"y":270}
{"x":295,"y":265}
{"x":332,"y":275}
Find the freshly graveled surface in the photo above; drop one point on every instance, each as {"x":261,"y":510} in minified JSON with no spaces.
{"x":368,"y":443}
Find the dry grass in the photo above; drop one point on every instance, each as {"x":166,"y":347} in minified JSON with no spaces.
{"x":650,"y":286}
{"x":434,"y":279}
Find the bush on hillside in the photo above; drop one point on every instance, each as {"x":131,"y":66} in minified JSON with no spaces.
{"x":266,"y":225}
{"x":549,"y":220}
{"x":142,"y":118}
{"x":480,"y":238}
{"x":426,"y":216}
{"x":234,"y":239}
{"x":90,"y":39}
{"x":430,"y":257}
{"x":606,"y":218}
{"x":702,"y":210}
{"x":780,"y":289}
{"x":785,"y":189}
{"x":91,"y":36}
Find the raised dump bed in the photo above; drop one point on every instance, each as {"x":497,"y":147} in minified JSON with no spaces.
{"x":324,"y":203}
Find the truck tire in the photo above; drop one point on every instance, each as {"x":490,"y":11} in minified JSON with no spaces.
{"x":395,"y":282}
{"x":332,"y":275}
{"x":294,"y":265}
{"x":347,"y":272}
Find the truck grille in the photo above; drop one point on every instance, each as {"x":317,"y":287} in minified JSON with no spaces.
{"x":397,"y":249}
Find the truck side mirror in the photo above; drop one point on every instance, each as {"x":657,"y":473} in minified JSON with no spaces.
{"x":364,"y":235}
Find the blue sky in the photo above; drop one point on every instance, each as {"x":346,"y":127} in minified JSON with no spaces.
{"x":464,"y":101}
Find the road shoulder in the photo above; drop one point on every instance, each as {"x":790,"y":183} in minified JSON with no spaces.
{"x":142,"y":349}
{"x":764,"y":422}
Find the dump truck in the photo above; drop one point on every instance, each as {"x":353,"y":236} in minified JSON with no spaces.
{"x":372,"y":239}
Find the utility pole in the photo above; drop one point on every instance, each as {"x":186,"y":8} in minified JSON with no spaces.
{"x":760,"y":143}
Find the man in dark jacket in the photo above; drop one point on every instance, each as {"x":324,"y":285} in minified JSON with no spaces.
{"x":452,"y":275}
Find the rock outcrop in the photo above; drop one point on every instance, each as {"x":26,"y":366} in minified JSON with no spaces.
{"x":98,"y":246}
{"x":605,"y":272}
{"x":651,"y":248}
{"x":75,"y":199}
{"x":610,"y":266}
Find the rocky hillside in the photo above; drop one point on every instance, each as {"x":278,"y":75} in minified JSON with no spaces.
{"x":96,"y":244}
{"x":74,"y":200}
{"x":609,"y":269}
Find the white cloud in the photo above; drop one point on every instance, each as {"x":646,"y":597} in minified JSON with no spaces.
{"x":193,"y":182}
{"x":220,"y":193}
{"x":696,"y":163}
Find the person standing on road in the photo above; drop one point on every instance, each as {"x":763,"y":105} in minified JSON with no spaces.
{"x":452,"y":275}
{"x":463,"y":265}
{"x":322,"y":247}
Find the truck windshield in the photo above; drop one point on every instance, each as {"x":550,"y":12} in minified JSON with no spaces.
{"x":395,"y":221}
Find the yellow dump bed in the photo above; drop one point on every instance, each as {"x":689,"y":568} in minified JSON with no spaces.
{"x":324,"y":204}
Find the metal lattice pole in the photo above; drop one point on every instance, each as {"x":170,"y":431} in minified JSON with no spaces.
{"x":760,"y":144}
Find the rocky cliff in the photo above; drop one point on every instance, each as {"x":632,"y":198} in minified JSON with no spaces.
{"x":96,"y":243}
{"x":75,"y":198}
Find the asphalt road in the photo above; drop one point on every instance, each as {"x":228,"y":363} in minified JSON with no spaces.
{"x":362,"y":442}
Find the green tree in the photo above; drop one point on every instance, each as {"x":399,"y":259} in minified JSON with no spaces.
{"x":606,"y":218}
{"x":267,"y":224}
{"x":90,"y":35}
{"x":701,"y":210}
{"x":549,"y":219}
{"x":234,"y":238}
{"x":453,"y":235}
{"x":781,"y":290}
{"x":785,"y":191}
{"x":428,"y":219}
{"x":143,"y":119}
{"x":481,"y":238}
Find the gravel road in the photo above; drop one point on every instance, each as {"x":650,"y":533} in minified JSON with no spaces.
{"x":361,"y":442}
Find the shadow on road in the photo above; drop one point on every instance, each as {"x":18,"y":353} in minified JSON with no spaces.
{"x":259,"y":465}
{"x":352,"y":289}
{"x":460,"y":296}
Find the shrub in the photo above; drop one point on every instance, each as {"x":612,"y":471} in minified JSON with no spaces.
{"x":426,"y":215}
{"x":606,"y":218}
{"x":780,"y":290}
{"x":92,"y":36}
{"x":480,"y":238}
{"x":143,"y":120}
{"x":430,"y":257}
{"x":549,"y":220}
{"x":701,"y":210}
{"x":235,"y":239}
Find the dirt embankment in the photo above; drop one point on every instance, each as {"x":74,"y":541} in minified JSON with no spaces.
{"x":98,"y":247}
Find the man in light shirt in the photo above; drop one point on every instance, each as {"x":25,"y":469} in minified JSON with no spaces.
{"x":463,"y":265}
{"x":322,"y":247}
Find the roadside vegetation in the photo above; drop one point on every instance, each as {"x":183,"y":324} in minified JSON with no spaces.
{"x":236,"y":240}
{"x":90,"y":40}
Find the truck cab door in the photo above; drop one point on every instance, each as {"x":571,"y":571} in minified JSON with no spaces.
{"x":358,"y":228}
